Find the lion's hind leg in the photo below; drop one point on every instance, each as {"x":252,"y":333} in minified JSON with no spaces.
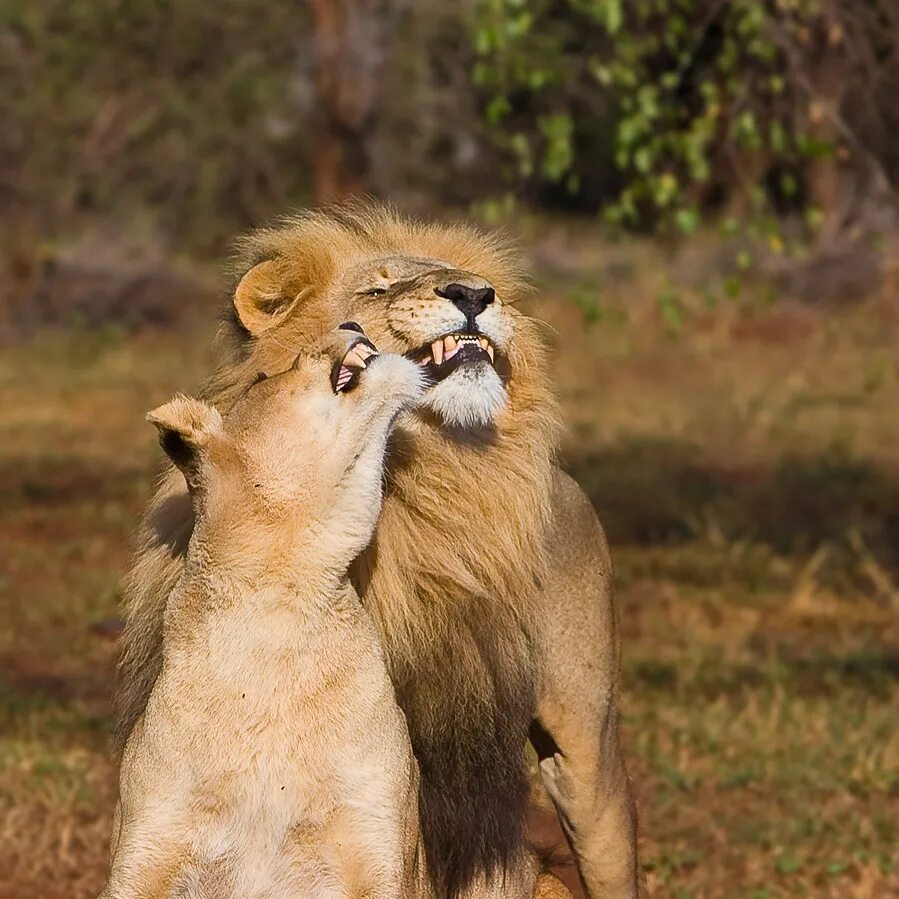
{"x":596,"y":813}
{"x":576,"y":729}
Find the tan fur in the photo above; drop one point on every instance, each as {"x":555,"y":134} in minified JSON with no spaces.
{"x":458,"y":576}
{"x":271,"y":759}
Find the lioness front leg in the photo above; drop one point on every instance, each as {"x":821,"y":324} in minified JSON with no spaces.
{"x":576,"y":734}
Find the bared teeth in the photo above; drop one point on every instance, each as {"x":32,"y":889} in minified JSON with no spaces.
{"x":364,"y":352}
{"x":444,"y":348}
{"x":343,"y":377}
{"x":354,"y":359}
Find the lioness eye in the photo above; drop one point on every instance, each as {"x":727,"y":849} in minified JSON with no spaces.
{"x":376,"y":291}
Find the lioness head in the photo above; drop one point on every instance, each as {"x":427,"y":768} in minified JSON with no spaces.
{"x":301,"y":449}
{"x":441,"y":296}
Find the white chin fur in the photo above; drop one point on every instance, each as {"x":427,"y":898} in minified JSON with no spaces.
{"x":471,"y":397}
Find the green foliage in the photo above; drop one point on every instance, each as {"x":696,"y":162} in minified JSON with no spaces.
{"x":708,"y":103}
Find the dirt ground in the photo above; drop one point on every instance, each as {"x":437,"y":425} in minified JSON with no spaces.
{"x":743,"y":456}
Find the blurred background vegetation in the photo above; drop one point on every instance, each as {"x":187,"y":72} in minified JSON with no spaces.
{"x":705,"y":190}
{"x":136,"y":132}
{"x":775,"y":119}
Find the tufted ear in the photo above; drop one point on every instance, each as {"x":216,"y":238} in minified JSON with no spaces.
{"x":186,"y":427}
{"x":260,"y":299}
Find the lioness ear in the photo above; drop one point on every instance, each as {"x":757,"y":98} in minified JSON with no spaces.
{"x":260,"y":299}
{"x":186,"y":427}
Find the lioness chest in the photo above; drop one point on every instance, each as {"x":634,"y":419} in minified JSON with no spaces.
{"x":273,"y":736}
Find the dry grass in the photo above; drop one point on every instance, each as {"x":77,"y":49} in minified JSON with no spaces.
{"x":746,"y":471}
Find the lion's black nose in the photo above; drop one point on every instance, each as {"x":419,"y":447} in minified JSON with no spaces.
{"x":471,"y":301}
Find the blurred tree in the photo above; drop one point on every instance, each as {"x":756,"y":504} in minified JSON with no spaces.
{"x":350,"y":40}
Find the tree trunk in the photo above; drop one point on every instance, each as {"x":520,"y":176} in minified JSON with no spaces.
{"x":826,"y":184}
{"x":349,"y":47}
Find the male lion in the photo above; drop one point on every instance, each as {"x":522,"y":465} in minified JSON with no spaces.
{"x":489,"y":576}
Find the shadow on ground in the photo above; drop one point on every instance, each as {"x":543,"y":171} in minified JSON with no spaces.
{"x":664,"y":492}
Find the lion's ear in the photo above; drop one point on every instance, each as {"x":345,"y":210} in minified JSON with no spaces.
{"x":186,"y":428}
{"x":260,"y":300}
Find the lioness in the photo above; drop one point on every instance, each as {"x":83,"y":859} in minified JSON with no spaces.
{"x":489,"y":577}
{"x":272,"y":759}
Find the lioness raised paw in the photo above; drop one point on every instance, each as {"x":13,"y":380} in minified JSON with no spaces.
{"x":272,"y":756}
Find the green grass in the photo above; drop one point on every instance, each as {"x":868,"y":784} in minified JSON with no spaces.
{"x":750,"y":488}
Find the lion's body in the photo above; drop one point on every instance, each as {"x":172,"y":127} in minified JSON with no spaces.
{"x":481,"y":577}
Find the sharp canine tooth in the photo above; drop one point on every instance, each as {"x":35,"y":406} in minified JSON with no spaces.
{"x":343,"y":377}
{"x":483,"y":342}
{"x":353,"y":359}
{"x":450,"y":343}
{"x":437,"y":351}
{"x":490,"y":351}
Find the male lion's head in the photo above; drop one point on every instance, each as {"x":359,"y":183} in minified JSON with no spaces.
{"x":440,"y":295}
